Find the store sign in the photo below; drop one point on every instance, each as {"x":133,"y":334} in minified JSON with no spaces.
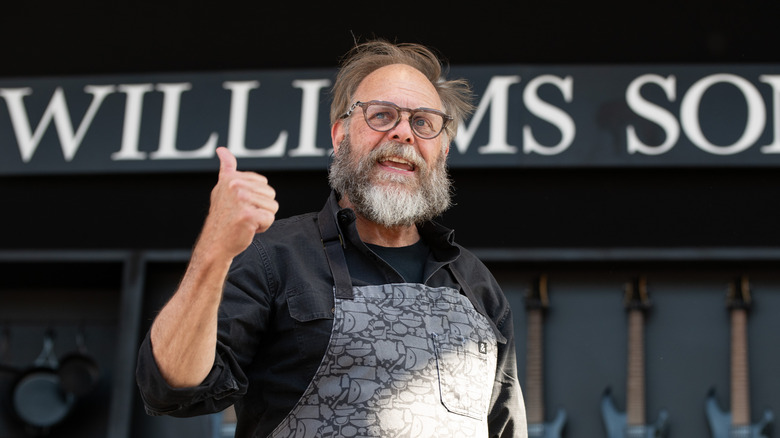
{"x":526,"y":116}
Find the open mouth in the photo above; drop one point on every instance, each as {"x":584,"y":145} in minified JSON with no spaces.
{"x":397,"y":163}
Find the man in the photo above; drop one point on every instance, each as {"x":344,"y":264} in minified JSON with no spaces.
{"x":364,"y":319}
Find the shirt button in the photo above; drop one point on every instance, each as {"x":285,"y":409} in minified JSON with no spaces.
{"x":346,"y":216}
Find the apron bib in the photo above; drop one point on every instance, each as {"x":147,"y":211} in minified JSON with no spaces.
{"x":404,"y":360}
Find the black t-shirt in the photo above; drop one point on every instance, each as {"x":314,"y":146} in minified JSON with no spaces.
{"x":409,"y":261}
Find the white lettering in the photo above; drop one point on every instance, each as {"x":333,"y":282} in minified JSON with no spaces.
{"x":550,"y":113}
{"x":497,"y":97}
{"x":307,"y":139}
{"x":774,"y":82}
{"x":689,"y":114}
{"x":132,"y":122}
{"x":57,"y":110}
{"x":170,"y":124}
{"x":239,"y":102}
{"x":652,"y":112}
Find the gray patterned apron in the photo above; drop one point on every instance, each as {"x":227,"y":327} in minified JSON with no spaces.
{"x":404,"y":360}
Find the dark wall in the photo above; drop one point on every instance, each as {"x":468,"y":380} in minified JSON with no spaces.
{"x":93,"y":37}
{"x":157,"y":211}
{"x":498,"y":208}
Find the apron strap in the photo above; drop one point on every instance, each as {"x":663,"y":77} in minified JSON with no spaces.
{"x":333,"y":243}
{"x":476,"y":303}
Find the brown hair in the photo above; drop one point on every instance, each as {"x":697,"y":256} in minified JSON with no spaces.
{"x":364,"y":58}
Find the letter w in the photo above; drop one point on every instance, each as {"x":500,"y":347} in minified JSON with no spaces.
{"x":57,"y":111}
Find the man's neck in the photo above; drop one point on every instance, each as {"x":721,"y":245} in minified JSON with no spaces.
{"x":373,"y":233}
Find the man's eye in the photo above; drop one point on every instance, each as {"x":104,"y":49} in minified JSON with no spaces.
{"x":382,"y":117}
{"x":422,"y":122}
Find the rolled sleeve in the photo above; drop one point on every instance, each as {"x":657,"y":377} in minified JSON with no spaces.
{"x":217,"y":391}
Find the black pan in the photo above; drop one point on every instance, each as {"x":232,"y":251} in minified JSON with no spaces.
{"x":38,"y":398}
{"x":78,"y":371}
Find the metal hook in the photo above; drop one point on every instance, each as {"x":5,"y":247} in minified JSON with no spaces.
{"x":47,"y":357}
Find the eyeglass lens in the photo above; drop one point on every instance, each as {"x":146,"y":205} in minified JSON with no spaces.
{"x":384,"y":118}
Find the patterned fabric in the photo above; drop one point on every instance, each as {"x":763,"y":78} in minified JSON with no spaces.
{"x":404,"y":360}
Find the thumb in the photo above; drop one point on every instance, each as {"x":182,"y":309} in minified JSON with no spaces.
{"x":227,"y":162}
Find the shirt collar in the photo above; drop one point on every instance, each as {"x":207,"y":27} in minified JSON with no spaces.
{"x":440,"y":238}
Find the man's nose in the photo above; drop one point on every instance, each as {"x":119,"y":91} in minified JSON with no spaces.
{"x":403,"y":131}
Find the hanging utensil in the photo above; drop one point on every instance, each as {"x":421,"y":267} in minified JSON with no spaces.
{"x":78,"y":370}
{"x":38,"y":398}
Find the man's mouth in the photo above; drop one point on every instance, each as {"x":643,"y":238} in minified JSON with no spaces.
{"x":397,"y":164}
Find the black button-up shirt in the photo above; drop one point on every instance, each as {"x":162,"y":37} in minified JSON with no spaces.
{"x":276,"y":318}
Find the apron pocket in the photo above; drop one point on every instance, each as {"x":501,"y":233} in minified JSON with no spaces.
{"x":465,"y":377}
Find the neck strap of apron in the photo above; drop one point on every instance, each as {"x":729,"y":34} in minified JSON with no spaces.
{"x":476,"y":303}
{"x":333,"y":243}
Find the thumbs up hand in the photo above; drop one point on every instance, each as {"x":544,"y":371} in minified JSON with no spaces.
{"x":242,"y":204}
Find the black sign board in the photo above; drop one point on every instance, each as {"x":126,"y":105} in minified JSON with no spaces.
{"x":527,"y":116}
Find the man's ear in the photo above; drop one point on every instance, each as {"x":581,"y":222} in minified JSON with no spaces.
{"x":337,"y":134}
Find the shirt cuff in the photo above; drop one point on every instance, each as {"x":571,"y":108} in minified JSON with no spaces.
{"x":162,"y":399}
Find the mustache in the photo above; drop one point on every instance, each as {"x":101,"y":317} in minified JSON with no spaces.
{"x":408,"y":201}
{"x":398,"y":150}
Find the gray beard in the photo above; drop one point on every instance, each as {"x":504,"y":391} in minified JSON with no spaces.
{"x":386,"y":199}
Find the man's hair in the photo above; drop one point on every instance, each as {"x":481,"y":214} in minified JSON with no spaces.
{"x":365,"y":58}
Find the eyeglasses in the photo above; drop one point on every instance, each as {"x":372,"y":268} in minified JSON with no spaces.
{"x":383,"y":116}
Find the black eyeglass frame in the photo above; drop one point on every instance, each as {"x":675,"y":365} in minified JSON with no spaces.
{"x":446,"y":119}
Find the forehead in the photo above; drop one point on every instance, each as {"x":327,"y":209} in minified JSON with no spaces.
{"x":401,"y":84}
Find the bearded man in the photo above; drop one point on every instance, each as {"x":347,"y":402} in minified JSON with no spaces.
{"x":365,"y":319}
